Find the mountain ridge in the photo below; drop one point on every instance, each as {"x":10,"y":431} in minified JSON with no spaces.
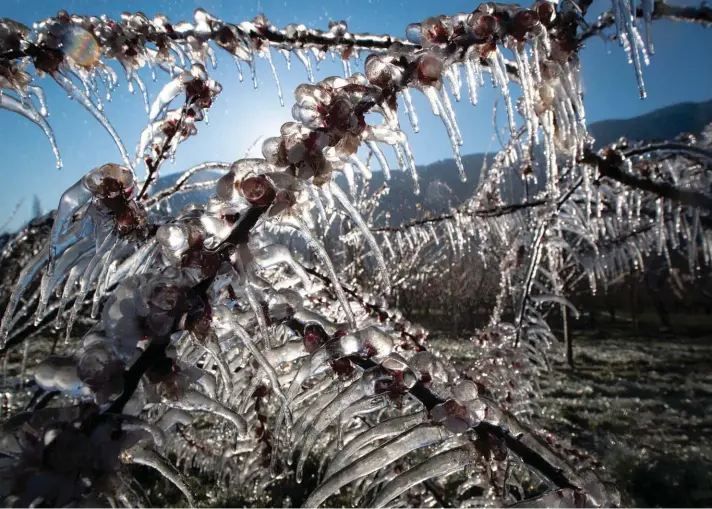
{"x":441,"y":188}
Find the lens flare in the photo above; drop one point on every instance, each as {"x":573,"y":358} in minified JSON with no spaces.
{"x":80,"y":46}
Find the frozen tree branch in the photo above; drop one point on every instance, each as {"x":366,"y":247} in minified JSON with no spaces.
{"x":701,"y":15}
{"x":610,"y":166}
{"x":484,"y":213}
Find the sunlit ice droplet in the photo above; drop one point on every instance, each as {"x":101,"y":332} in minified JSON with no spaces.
{"x":80,"y":46}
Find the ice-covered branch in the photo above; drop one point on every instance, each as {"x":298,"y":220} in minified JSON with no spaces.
{"x":701,"y":15}
{"x":611,"y":165}
{"x":491,"y":212}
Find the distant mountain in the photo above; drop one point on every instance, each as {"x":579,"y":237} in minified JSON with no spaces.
{"x":440,"y":185}
{"x":662,"y":124}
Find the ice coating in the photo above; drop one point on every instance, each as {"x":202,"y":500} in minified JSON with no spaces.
{"x":439,"y":465}
{"x":417,"y":437}
{"x":155,"y":461}
{"x":92,"y":250}
{"x":384,"y":429}
{"x":356,"y":391}
{"x":60,"y":374}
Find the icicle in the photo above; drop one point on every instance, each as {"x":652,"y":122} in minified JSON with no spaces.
{"x":109,"y":267}
{"x":24,"y":280}
{"x":303,"y":57}
{"x":451,"y":237}
{"x":328,"y":198}
{"x":144,"y":93}
{"x":90,"y":274}
{"x":435,"y":236}
{"x":499,"y":74}
{"x":268,"y":56}
{"x":29,"y":112}
{"x":314,"y":195}
{"x":648,"y":9}
{"x":384,"y":429}
{"x":91,"y":80}
{"x":154,"y":460}
{"x":23,"y":365}
{"x":450,"y":112}
{"x":452,"y":74}
{"x":106,"y":80}
{"x":346,"y":65}
{"x":54,"y":274}
{"x":194,"y":401}
{"x":525,"y":76}
{"x":348,"y":172}
{"x":211,"y":56}
{"x":442,"y":464}
{"x":536,"y":67}
{"x":631,"y":42}
{"x":692,"y":241}
{"x":410,"y":163}
{"x":380,"y":157}
{"x":38,"y":92}
{"x":387,"y":243}
{"x":287,"y":58}
{"x":169,"y":92}
{"x":439,"y":109}
{"x":365,"y":171}
{"x":259,"y":356}
{"x":351,"y":395}
{"x":471,"y":79}
{"x":410,"y":109}
{"x":418,"y":437}
{"x":69,"y":286}
{"x":253,"y":69}
{"x":365,"y":231}
{"x":213,"y":349}
{"x":239,"y":68}
{"x":298,"y":224}
{"x":77,"y":95}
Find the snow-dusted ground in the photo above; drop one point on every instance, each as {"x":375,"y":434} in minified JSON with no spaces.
{"x":642,"y":407}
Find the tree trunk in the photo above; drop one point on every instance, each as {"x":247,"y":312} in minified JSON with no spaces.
{"x":634,"y":307}
{"x":659,"y":304}
{"x":568,"y":340}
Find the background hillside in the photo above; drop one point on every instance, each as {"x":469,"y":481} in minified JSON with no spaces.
{"x":440,"y":184}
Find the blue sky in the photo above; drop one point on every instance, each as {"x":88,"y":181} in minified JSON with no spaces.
{"x":680,"y":70}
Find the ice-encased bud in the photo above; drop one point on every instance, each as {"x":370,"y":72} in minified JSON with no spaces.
{"x":228,"y":187}
{"x":465,"y":391}
{"x":101,"y":369}
{"x":458,"y":417}
{"x":429,"y":68}
{"x":429,"y":367}
{"x":546,"y":10}
{"x":436,"y":30}
{"x":174,"y":239}
{"x":382,"y":71}
{"x":109,"y":181}
{"x":59,"y":373}
{"x":258,"y":190}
